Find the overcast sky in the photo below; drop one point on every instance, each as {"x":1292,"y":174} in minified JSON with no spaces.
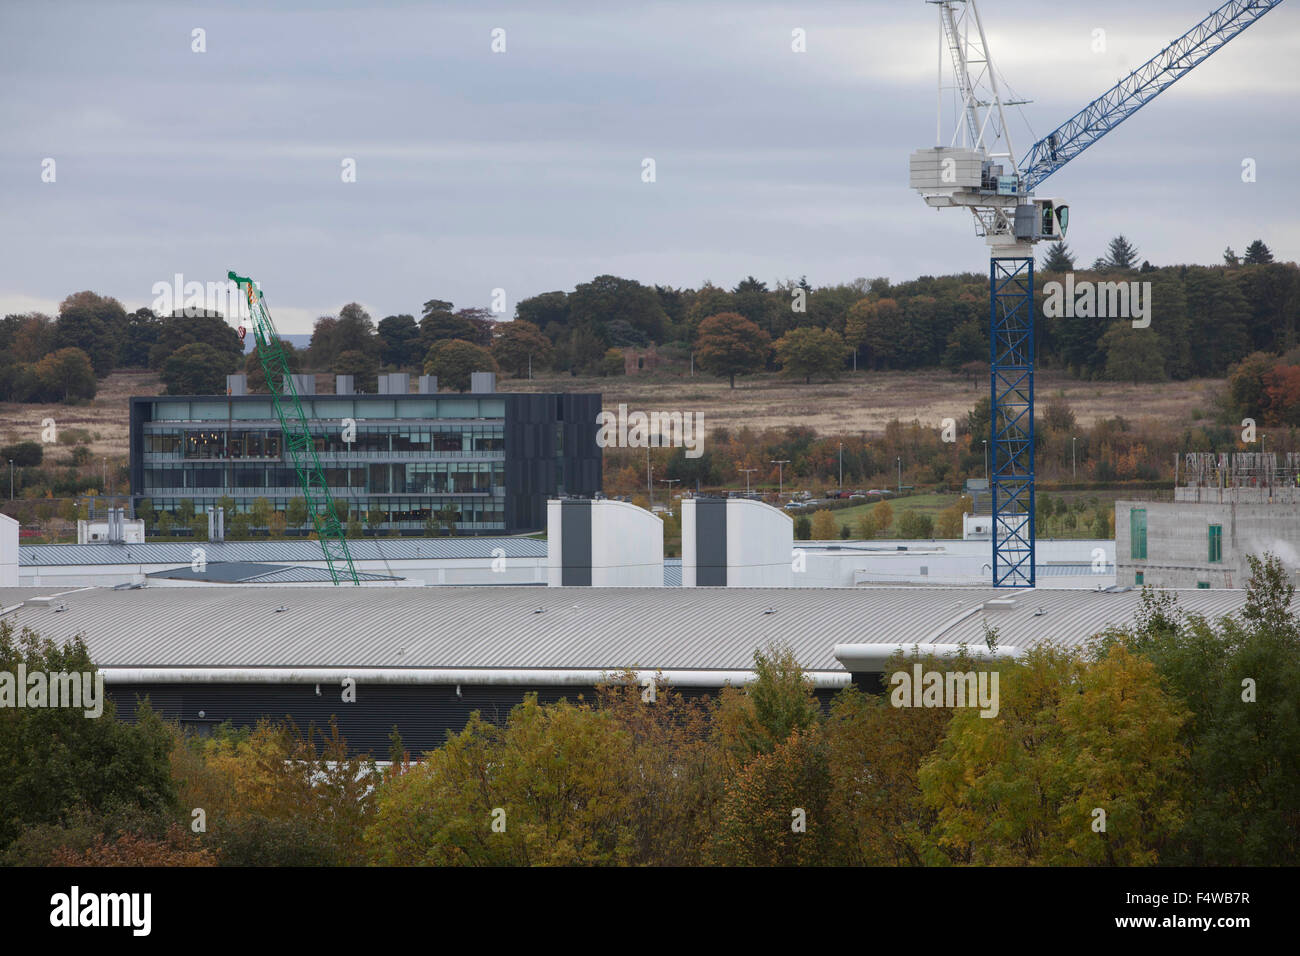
{"x":522,"y":170}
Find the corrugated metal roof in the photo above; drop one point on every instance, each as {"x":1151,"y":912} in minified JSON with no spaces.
{"x":279,"y":550}
{"x":708,"y":628}
{"x":247,"y":572}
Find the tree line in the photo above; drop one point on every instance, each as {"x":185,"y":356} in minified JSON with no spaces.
{"x":1205,"y":319}
{"x":1172,"y":740}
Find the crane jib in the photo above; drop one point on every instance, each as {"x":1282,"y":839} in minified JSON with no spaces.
{"x":1138,"y":88}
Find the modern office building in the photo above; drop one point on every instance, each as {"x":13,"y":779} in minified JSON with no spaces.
{"x":493,"y":457}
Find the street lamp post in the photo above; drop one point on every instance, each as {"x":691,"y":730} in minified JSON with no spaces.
{"x":747,"y":471}
{"x":841,"y":466}
{"x":1074,"y":461}
{"x":900,"y":476}
{"x":670,"y":482}
{"x":780,"y":474}
{"x":11,"y":479}
{"x":986,"y":459}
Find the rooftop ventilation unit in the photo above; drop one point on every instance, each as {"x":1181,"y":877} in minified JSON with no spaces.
{"x":735,"y":542}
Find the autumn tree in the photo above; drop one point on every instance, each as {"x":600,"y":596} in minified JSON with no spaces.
{"x":823,"y":525}
{"x":1132,"y":355}
{"x":362,"y":366}
{"x":775,"y":809}
{"x":779,"y":701}
{"x":95,"y":324}
{"x":399,"y":337}
{"x":57,"y":759}
{"x":454,"y":360}
{"x":1237,"y":677}
{"x":730,"y":344}
{"x":809,"y":352}
{"x":197,"y":369}
{"x":883,"y":513}
{"x":874,"y":753}
{"x":295,"y":512}
{"x":67,"y":374}
{"x":874,"y":324}
{"x":553,"y":786}
{"x":1083,"y":765}
{"x":197,"y":328}
{"x":676,"y":793}
{"x":915,"y":524}
{"x":519,"y":346}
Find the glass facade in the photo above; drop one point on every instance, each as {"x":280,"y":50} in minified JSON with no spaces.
{"x":392,"y":462}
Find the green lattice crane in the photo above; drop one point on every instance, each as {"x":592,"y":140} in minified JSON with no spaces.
{"x":297,"y":436}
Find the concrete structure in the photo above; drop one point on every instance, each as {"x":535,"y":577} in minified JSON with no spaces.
{"x":736,"y":543}
{"x":1062,"y":563}
{"x":977,"y":527}
{"x":493,"y":459}
{"x":603,"y":544}
{"x":206,"y":655}
{"x":8,"y":552}
{"x":412,"y":561}
{"x":1225,"y":508}
{"x":1189,"y":544}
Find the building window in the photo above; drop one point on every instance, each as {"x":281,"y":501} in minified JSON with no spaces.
{"x":1140,"y":578}
{"x":1216,"y":543}
{"x":1203,"y":585}
{"x":1137,"y":529}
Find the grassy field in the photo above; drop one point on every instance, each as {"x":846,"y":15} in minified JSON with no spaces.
{"x":922,"y":504}
{"x":106,"y":418}
{"x":933,"y":504}
{"x":868,"y":401}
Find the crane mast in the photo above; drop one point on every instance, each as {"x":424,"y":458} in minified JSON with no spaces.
{"x":976,"y":170}
{"x":297,"y":436}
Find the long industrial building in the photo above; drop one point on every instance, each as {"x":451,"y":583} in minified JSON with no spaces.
{"x":424,"y":659}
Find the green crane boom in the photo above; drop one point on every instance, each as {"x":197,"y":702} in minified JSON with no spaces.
{"x":297,"y":437}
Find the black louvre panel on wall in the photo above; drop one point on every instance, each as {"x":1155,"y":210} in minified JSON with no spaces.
{"x":424,"y":714}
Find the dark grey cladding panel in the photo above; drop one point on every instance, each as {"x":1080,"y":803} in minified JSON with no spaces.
{"x":711,"y":542}
{"x":424,"y":715}
{"x":575,"y":543}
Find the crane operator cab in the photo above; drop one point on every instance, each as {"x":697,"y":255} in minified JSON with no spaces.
{"x":1042,"y":219}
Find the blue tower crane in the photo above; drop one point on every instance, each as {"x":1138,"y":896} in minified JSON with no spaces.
{"x":977,"y":169}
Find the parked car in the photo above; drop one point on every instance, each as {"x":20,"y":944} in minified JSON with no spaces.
{"x":794,"y":505}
